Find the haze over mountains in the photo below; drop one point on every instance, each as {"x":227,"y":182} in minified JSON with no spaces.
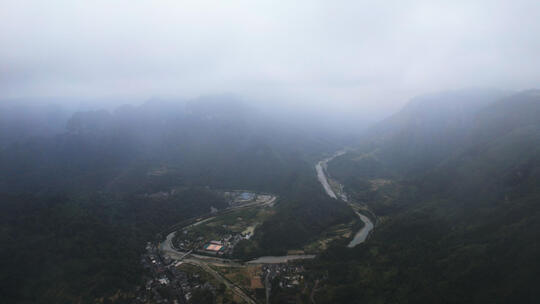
{"x":214,"y":136}
{"x":458,"y":202}
{"x":99,"y":169}
{"x":201,"y":152}
{"x":452,"y":180}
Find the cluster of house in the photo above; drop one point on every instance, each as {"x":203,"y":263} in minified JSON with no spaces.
{"x":221,"y":247}
{"x":224,"y":246}
{"x":238,"y":198}
{"x":166,"y":283}
{"x":287,"y":275}
{"x":185,"y":242}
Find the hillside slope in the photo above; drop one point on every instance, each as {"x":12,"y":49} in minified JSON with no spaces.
{"x":81,"y":199}
{"x":466,"y":229}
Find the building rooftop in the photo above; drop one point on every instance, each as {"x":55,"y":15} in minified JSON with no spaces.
{"x":213,"y":247}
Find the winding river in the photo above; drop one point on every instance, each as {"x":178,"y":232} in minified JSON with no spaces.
{"x":321,"y":167}
{"x":361,"y":235}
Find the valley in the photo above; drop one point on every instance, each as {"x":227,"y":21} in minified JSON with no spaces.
{"x":233,"y":214}
{"x":336,"y":191}
{"x":208,"y":242}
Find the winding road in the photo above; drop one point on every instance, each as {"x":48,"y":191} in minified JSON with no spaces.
{"x":167,"y":249}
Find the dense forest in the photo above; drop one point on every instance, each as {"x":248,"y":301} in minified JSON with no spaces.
{"x":276,"y":152}
{"x":452,"y":178}
{"x":78,"y":207}
{"x":65,"y":249}
{"x":455,"y":186}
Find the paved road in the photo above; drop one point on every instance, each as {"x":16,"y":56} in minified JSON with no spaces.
{"x":280,"y":259}
{"x":168,"y":251}
{"x":167,"y":248}
{"x":239,"y":292}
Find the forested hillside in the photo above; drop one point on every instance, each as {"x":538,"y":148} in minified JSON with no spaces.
{"x":453,"y":179}
{"x":79,"y":248}
{"x":463,"y":229}
{"x":83,"y":199}
{"x":210,"y":141}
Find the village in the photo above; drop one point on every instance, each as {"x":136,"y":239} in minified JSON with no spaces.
{"x":165,"y":283}
{"x":287,"y":275}
{"x":188,"y":276}
{"x":218,"y":236}
{"x":181,"y":282}
{"x":222,"y":245}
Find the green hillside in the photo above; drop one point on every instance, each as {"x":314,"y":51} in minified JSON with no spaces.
{"x":82,"y":199}
{"x":464,"y":229}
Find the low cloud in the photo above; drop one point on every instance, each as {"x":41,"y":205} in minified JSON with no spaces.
{"x":340,"y":54}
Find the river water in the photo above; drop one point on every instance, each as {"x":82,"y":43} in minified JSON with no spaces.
{"x":321,"y":166}
{"x":361,"y":235}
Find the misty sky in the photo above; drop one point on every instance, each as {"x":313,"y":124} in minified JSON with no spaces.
{"x":338,"y":53}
